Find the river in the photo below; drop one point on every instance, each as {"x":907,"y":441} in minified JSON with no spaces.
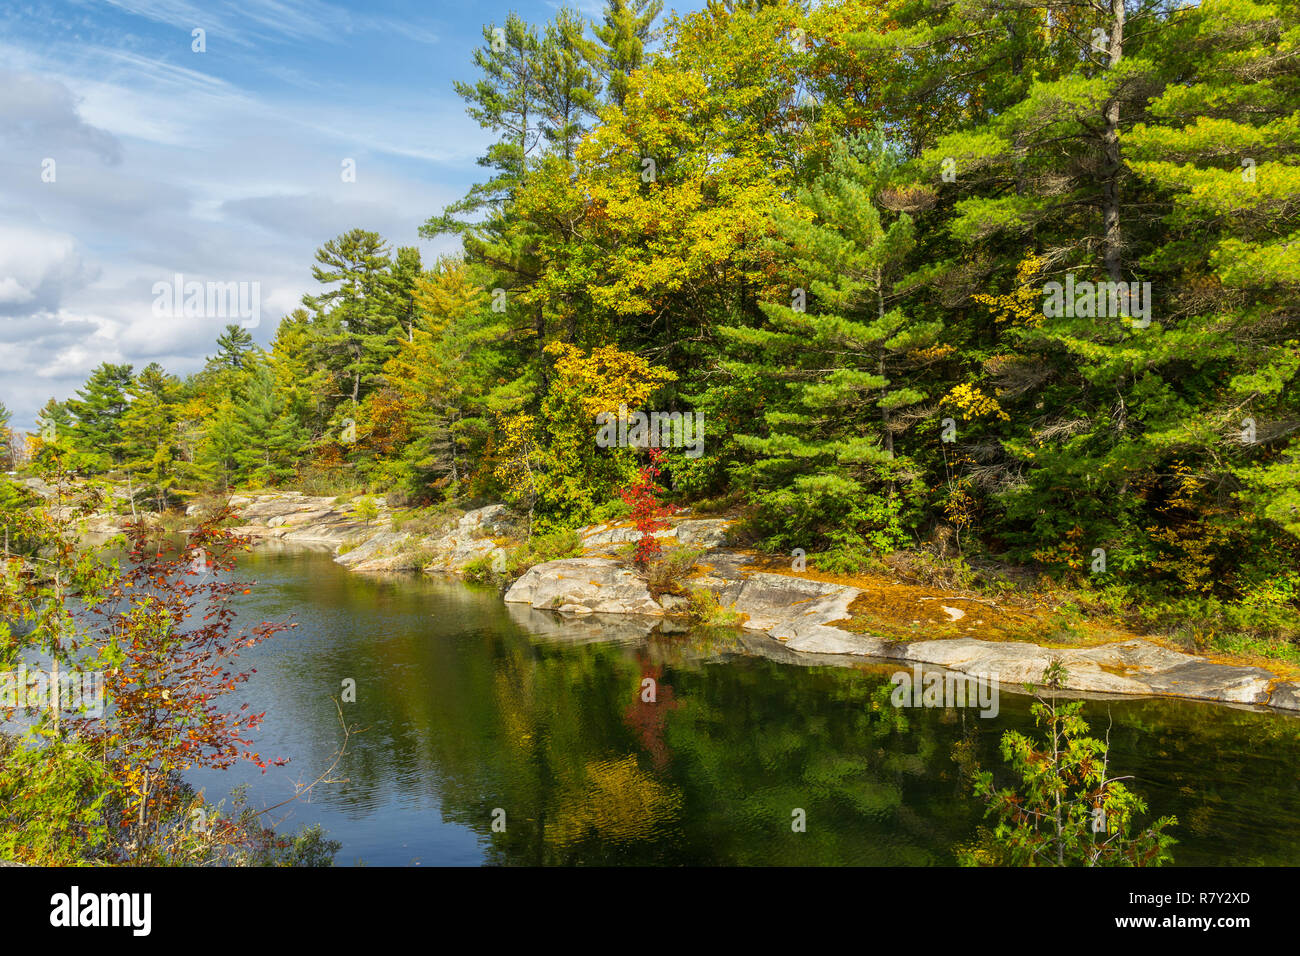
{"x":486,"y":742}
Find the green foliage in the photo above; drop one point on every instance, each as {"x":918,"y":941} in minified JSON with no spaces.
{"x":540,"y":548}
{"x":107,"y":786}
{"x":919,"y":174}
{"x":365,"y":509}
{"x":706,"y":611}
{"x":829,"y":467}
{"x":98,"y":412}
{"x":668,"y":571}
{"x":52,"y":800}
{"x":1065,"y":809}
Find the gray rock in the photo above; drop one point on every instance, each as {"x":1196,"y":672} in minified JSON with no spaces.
{"x":703,"y":532}
{"x":299,"y":518}
{"x":484,"y":522}
{"x":782,"y":605}
{"x":583,"y":629}
{"x":605,"y":535}
{"x":336,"y":532}
{"x":598,"y":584}
{"x":379,"y":545}
{"x":1286,"y":696}
{"x":40,"y":487}
{"x":799,"y":612}
{"x":1206,"y":680}
{"x":674,"y":603}
{"x":724,"y":566}
{"x":262,"y":508}
{"x":820,"y":639}
{"x":454,"y":552}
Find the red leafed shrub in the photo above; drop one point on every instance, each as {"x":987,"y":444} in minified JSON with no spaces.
{"x":648,"y":512}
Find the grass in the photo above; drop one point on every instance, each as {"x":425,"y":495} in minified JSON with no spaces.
{"x":551,"y":546}
{"x":667,"y":573}
{"x":433,"y":520}
{"x":704,"y":609}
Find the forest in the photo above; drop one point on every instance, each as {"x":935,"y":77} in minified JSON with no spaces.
{"x":1005,"y":283}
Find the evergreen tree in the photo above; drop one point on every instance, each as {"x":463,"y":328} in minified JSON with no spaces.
{"x":406,"y":273}
{"x":507,"y":101}
{"x":54,"y":423}
{"x":846,"y":351}
{"x":445,"y":374}
{"x":224,"y":440}
{"x":567,"y":87}
{"x":6,"y":439}
{"x":358,"y":319}
{"x":98,"y":411}
{"x":150,"y":451}
{"x":233,"y":346}
{"x":301,"y":382}
{"x":271,"y":439}
{"x":1222,"y":144}
{"x":619,"y":48}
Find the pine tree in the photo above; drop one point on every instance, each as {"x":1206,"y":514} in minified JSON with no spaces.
{"x":845,"y":352}
{"x":6,"y":439}
{"x":98,"y":411}
{"x":301,"y":383}
{"x":150,"y":451}
{"x":357,"y":320}
{"x":271,"y":441}
{"x":567,"y":87}
{"x":1222,"y":144}
{"x":54,"y":423}
{"x":233,"y":345}
{"x":619,"y":48}
{"x":444,"y":375}
{"x":224,"y":440}
{"x":507,"y":101}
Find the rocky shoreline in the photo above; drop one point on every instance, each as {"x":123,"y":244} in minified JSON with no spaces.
{"x":791,"y":617}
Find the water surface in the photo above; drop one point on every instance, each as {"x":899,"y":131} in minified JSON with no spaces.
{"x":474,"y":711}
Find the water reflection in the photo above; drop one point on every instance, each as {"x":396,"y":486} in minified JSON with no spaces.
{"x":476,"y":712}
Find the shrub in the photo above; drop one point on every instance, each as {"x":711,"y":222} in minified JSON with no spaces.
{"x":705,"y":609}
{"x":1067,"y":810}
{"x":539,"y":549}
{"x":666,"y":573}
{"x":322,"y":481}
{"x":481,"y":571}
{"x":564,"y":543}
{"x":614,"y":510}
{"x":647,"y":510}
{"x":365,"y":509}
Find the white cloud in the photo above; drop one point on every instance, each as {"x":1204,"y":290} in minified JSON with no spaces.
{"x":41,"y":113}
{"x":37,"y":270}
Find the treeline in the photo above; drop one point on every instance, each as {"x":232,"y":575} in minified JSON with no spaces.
{"x":834,"y":231}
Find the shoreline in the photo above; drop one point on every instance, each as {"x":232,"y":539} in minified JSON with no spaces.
{"x":802,"y":615}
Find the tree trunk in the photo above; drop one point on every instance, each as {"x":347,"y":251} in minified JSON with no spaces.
{"x":884,"y":412}
{"x":1110,"y":142}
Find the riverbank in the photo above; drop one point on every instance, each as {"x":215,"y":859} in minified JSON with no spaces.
{"x":816,"y":617}
{"x":810,"y":615}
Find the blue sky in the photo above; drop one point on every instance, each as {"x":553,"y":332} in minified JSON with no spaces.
{"x":223,"y":165}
